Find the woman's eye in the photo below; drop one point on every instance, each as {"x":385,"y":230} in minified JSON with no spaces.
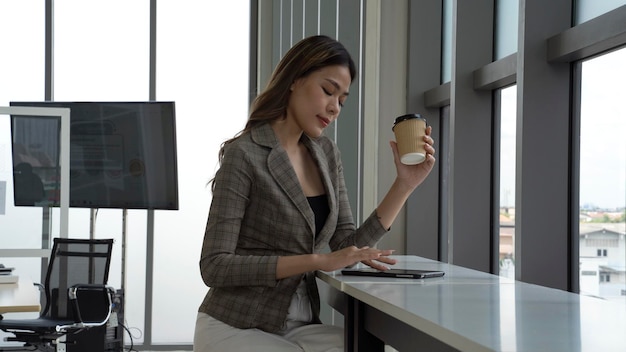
{"x":330,"y":94}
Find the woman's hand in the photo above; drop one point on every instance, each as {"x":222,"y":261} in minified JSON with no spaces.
{"x":412,"y":176}
{"x":297,"y":264}
{"x":376,"y":264}
{"x":351,"y":255}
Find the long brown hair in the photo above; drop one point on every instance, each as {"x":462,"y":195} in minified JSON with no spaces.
{"x":307,"y":56}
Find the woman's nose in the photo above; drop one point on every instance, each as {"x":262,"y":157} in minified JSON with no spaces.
{"x":333,"y":108}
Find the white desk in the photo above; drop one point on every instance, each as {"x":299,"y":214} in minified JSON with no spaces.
{"x":22,"y":296}
{"x":469,"y":310}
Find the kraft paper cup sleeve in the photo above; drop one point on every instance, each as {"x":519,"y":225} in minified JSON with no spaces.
{"x":409,"y":131}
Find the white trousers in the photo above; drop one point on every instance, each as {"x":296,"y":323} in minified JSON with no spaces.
{"x":212,"y":335}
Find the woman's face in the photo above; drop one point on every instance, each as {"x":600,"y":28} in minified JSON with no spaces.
{"x":316,"y":99}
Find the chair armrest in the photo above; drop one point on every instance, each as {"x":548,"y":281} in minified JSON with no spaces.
{"x":92,"y":305}
{"x":43,"y":293}
{"x":40,"y":286}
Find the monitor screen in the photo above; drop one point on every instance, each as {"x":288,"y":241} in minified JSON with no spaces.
{"x":122,"y":155}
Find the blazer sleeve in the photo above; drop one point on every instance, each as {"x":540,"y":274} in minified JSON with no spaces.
{"x":220,"y":265}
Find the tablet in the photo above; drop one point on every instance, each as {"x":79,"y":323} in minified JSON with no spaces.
{"x":399,"y":273}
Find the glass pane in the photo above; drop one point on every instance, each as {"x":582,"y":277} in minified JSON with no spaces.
{"x":102,"y":54}
{"x":584,"y":10}
{"x":446,"y":42}
{"x":207,"y":75}
{"x":444,"y":161}
{"x":508,"y":115}
{"x":21,"y":78}
{"x":603,"y":177}
{"x":507,"y":15}
{"x":22,"y":60}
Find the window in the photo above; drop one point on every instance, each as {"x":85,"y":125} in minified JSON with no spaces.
{"x":506,"y":219}
{"x":22,"y":78}
{"x":107,"y":57}
{"x":602,"y":180}
{"x":605,"y":277}
{"x":585,"y":10}
{"x":210,"y":87}
{"x":101,"y":62}
{"x":446,"y":40}
{"x":506,"y":127}
{"x":507,"y":20}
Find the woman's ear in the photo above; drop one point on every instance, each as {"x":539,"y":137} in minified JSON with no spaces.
{"x":294,"y":84}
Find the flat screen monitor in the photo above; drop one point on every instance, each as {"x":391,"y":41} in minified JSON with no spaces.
{"x":122,"y":155}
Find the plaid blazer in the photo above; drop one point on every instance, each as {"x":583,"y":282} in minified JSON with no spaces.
{"x":259,"y":213}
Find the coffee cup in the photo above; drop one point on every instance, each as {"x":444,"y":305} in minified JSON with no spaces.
{"x":409,"y":130}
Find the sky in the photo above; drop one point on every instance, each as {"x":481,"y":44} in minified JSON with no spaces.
{"x":603,"y":127}
{"x":603,"y":131}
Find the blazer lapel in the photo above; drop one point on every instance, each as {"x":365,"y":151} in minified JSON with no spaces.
{"x":282,"y":171}
{"x":322,"y":163}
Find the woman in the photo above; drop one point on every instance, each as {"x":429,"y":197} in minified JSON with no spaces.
{"x":279,"y":199}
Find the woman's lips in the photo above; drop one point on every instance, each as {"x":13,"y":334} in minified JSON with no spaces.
{"x":325,"y":121}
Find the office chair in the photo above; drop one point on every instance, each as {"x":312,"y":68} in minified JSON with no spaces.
{"x":76,"y":295}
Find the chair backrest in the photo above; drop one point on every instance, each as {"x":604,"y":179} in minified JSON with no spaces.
{"x":74,"y":261}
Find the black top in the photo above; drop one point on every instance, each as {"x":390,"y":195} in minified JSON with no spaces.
{"x":319,"y":205}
